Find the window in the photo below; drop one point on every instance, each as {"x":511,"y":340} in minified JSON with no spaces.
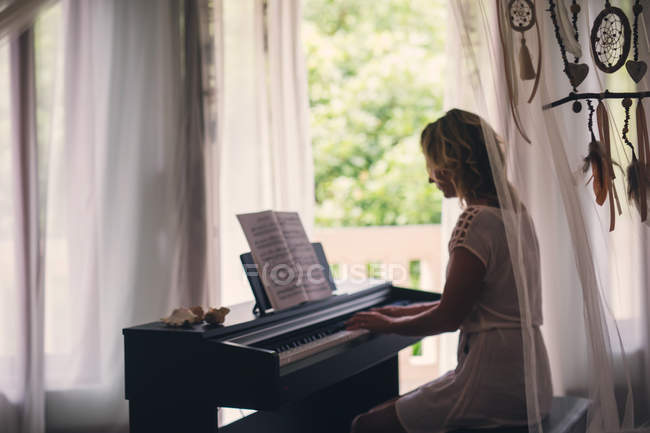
{"x":375,"y":74}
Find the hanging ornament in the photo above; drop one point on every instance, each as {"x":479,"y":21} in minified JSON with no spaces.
{"x":577,"y":107}
{"x":636,"y":68}
{"x":577,"y":73}
{"x":503,"y":17}
{"x":607,"y":164}
{"x":567,"y":39}
{"x":596,"y":159}
{"x":522,"y":18}
{"x":637,"y":182}
{"x":637,"y":187}
{"x":610,"y":38}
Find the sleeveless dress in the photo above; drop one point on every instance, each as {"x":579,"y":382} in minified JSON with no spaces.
{"x":487,"y":388}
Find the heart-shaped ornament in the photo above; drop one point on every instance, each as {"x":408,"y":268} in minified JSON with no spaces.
{"x":577,"y":73}
{"x":636,"y":69}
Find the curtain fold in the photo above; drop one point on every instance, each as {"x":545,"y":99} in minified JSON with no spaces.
{"x":265,"y":149}
{"x":191,"y":262}
{"x":23,"y":402}
{"x":129,"y":217}
{"x":293,"y":173}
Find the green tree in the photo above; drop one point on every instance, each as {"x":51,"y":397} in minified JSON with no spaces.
{"x":375,"y":71}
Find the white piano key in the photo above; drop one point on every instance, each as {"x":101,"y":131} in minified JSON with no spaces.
{"x":319,"y":345}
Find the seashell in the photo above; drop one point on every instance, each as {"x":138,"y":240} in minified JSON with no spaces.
{"x":198,"y":311}
{"x":216,"y":316}
{"x":180,"y":317}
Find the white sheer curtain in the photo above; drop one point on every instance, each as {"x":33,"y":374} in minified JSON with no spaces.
{"x":106,"y":207}
{"x":23,"y":373}
{"x":129,"y":200}
{"x":594,"y":282}
{"x":118,"y":233}
{"x":265,"y":159}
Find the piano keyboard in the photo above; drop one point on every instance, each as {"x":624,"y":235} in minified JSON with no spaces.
{"x":322,"y":340}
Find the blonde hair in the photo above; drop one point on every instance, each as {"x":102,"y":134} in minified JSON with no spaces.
{"x":456,"y":143}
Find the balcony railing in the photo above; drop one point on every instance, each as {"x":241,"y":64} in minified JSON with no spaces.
{"x":410,"y":256}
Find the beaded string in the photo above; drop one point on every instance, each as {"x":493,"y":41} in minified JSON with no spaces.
{"x":575,"y":10}
{"x":627,"y":103}
{"x":635,"y":28}
{"x":590,"y":122}
{"x":556,"y":27}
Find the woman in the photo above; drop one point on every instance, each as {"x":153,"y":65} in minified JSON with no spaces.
{"x":487,"y":388}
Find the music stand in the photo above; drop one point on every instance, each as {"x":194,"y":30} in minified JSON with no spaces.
{"x":262,"y":303}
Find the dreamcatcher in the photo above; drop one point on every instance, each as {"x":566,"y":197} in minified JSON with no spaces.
{"x":611,"y":40}
{"x":519,"y":16}
{"x":523,"y":18}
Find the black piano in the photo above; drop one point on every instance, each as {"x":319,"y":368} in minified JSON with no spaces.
{"x":299,"y":368}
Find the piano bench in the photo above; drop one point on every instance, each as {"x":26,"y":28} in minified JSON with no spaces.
{"x":568,"y":415}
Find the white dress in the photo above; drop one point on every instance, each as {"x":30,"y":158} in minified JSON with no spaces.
{"x":487,"y":388}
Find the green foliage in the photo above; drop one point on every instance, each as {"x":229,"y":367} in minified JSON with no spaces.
{"x":375,"y":71}
{"x":415,"y":274}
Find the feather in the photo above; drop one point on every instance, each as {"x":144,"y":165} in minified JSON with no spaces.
{"x":633,"y":181}
{"x":642,"y":168}
{"x":599,"y":170}
{"x":603,"y":133}
{"x":566,"y":30}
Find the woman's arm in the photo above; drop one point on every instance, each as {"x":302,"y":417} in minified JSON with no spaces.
{"x":405,"y":310}
{"x":462,"y":289}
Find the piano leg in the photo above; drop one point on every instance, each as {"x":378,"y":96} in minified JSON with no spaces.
{"x":148,"y":415}
{"x":330,"y":410}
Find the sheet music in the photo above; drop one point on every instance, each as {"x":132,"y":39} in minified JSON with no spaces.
{"x":313,"y":276}
{"x":277,"y":268}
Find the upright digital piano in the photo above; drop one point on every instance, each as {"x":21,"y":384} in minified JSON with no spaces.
{"x":299,"y":368}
